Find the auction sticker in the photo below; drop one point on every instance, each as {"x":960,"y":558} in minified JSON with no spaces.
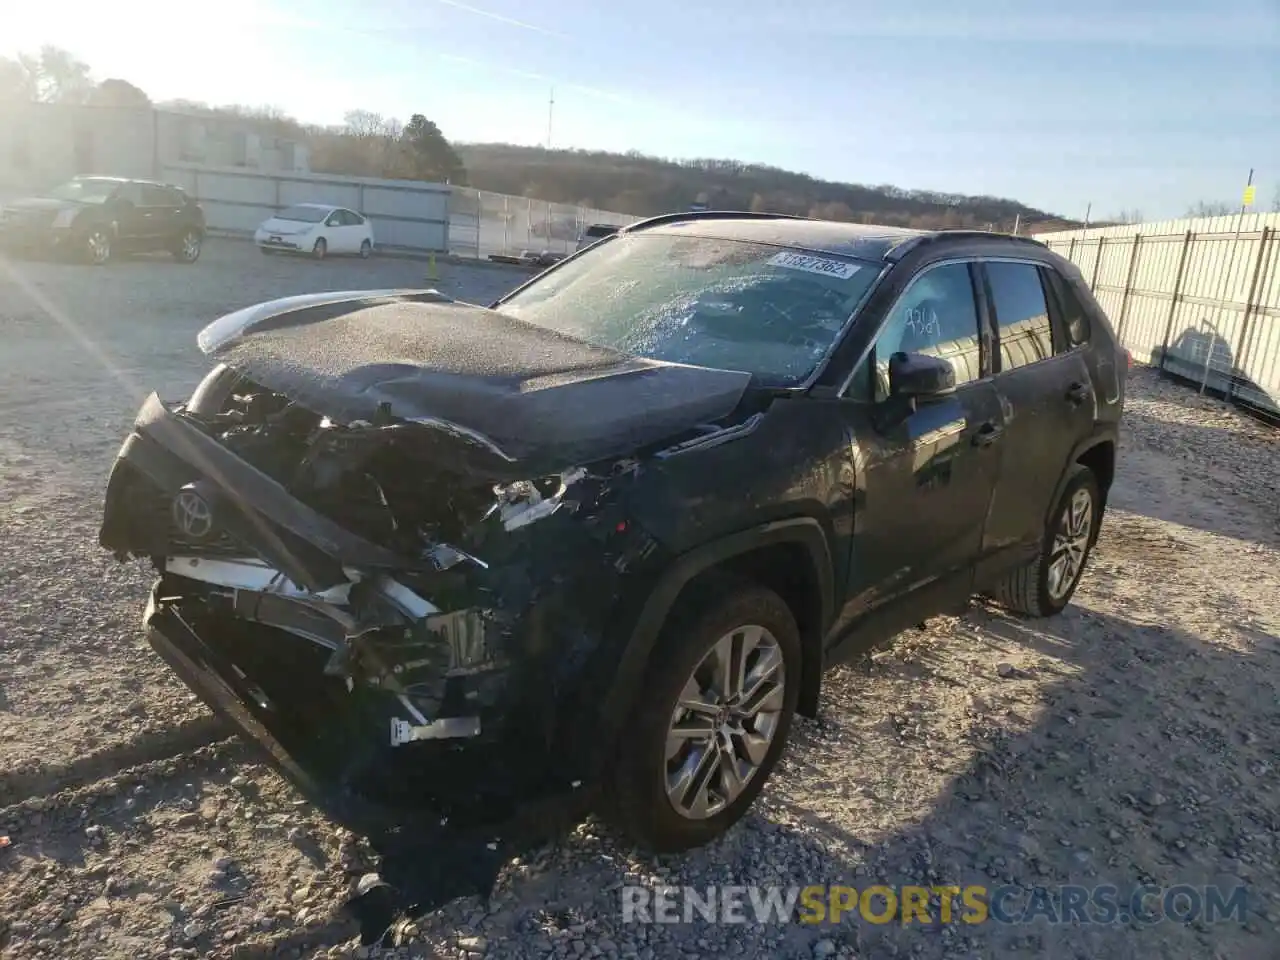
{"x":809,"y":264}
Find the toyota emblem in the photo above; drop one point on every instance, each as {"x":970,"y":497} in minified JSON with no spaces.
{"x":192,"y":514}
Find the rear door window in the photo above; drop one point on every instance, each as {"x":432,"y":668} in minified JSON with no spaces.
{"x":1021,"y":313}
{"x":153,"y":196}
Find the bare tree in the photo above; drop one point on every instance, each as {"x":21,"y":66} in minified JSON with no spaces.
{"x":1126,"y":216}
{"x":366,"y":125}
{"x":1218,"y":208}
{"x":16,"y":84}
{"x":55,"y":76}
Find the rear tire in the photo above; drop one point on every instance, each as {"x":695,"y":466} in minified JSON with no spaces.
{"x":648,"y":780}
{"x":320,"y":250}
{"x":188,"y":248}
{"x":366,"y":250}
{"x":1044,"y":587}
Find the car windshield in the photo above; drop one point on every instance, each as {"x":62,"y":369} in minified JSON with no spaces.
{"x":769,"y":311}
{"x":85,"y":190}
{"x":303,"y":213}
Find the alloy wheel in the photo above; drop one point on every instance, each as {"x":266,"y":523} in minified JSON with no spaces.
{"x":724,"y":722}
{"x":1070,"y":544}
{"x":190,"y":247}
{"x":98,"y":245}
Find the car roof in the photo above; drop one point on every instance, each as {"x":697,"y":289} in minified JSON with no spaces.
{"x":866,"y":241}
{"x":149,"y":183}
{"x":317,"y":206}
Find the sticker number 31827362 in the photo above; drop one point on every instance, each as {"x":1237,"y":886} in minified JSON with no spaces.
{"x":820,"y":265}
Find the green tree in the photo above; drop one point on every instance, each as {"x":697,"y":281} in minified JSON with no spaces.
{"x":431,"y":156}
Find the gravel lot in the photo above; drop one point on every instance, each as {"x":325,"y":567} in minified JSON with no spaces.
{"x":1134,"y":739}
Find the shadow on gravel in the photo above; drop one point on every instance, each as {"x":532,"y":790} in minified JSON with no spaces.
{"x":1100,"y":783}
{"x":1194,"y":445}
{"x":1107,"y":785}
{"x":162,"y":745}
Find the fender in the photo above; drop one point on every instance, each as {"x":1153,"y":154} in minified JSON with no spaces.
{"x":1106,"y":433}
{"x":632,"y":664}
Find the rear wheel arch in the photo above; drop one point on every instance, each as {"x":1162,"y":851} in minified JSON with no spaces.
{"x":1098,"y":453}
{"x":790,"y":557}
{"x":1101,"y":459}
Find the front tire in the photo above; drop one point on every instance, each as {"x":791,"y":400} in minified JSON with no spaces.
{"x":97,"y":246}
{"x":188,"y":247}
{"x":1044,"y":587}
{"x":320,"y":250}
{"x":366,"y":250}
{"x":711,"y":719}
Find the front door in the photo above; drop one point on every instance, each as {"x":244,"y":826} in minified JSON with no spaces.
{"x":337,"y":234}
{"x":1047,"y":395}
{"x":133,"y":223}
{"x":926,"y":476}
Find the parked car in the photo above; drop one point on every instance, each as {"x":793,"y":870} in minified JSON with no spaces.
{"x":318,"y":229}
{"x":596,"y":231}
{"x":609,"y":531}
{"x":541,"y":258}
{"x":96,"y":218}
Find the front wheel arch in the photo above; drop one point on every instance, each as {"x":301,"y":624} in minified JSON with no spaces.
{"x":730,"y":556}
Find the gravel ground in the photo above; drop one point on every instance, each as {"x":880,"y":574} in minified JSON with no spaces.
{"x":1132,"y":739}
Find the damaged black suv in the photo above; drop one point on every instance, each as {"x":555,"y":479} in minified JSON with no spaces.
{"x":609,"y":531}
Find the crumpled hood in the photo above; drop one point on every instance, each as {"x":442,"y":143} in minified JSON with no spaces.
{"x":533,"y":393}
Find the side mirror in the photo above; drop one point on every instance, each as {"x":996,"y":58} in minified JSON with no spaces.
{"x":918,"y":376}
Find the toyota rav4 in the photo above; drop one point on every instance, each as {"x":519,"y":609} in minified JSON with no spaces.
{"x":609,"y":531}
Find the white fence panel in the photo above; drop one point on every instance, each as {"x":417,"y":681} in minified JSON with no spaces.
{"x":483,"y":223}
{"x":1199,"y":297}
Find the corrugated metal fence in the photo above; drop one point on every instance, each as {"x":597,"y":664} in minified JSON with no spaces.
{"x":483,"y":223}
{"x":1199,"y":298}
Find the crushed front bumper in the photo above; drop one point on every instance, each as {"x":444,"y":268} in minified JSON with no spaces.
{"x":383,"y":709}
{"x":420,"y":787}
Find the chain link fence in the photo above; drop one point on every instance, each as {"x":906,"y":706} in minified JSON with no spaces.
{"x":482,"y":224}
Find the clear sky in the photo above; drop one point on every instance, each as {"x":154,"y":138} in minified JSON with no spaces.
{"x":1146,"y":104}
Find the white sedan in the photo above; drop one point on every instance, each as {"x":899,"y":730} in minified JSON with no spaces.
{"x":316,"y":228}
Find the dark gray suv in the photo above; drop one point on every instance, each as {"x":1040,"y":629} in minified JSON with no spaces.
{"x":610,"y":530}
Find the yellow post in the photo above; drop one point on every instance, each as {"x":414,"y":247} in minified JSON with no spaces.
{"x":431,"y":267}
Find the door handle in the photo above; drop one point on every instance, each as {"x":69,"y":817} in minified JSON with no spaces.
{"x":1078,"y":393}
{"x":987,"y":434}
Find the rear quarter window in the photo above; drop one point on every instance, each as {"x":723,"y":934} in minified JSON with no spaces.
{"x":1074,"y":316}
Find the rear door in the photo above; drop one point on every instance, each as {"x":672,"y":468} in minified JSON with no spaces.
{"x":160,"y":214}
{"x":357,"y":231}
{"x":927,"y":475}
{"x":182,"y":214}
{"x":131,"y":215}
{"x":1048,"y":399}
